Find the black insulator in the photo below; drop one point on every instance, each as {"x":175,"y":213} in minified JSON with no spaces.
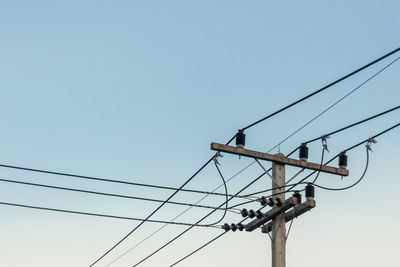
{"x":226,"y":227}
{"x":240,"y":226}
{"x":342,"y":160}
{"x":297,"y":195}
{"x":252,"y":214}
{"x":278,"y":201}
{"x":233,"y":227}
{"x":259,"y":214}
{"x":271,"y":202}
{"x":240,"y":139}
{"x":310,"y":191}
{"x":244,"y":213}
{"x":303,"y":152}
{"x":264,"y":201}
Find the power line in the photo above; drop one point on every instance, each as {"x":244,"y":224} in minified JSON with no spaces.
{"x":105,"y":194}
{"x":263,"y":119}
{"x":100,"y":215}
{"x":107,"y":180}
{"x":325,"y":87}
{"x":356,"y":123}
{"x":300,"y":182}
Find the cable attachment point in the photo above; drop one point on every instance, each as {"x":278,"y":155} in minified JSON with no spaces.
{"x":215,"y":159}
{"x":325,"y":142}
{"x":370,"y":141}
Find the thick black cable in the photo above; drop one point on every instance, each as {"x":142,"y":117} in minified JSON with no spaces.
{"x":300,"y":182}
{"x":324,"y":88}
{"x":355,"y":124}
{"x":99,"y":214}
{"x":105,"y":194}
{"x":320,"y":165}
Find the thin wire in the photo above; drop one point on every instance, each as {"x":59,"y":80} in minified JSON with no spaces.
{"x":106,"y":194}
{"x":290,"y":227}
{"x":324,"y":88}
{"x":99,"y":214}
{"x":350,"y":186}
{"x":337,"y":102}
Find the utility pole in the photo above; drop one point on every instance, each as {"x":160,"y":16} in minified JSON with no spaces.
{"x":279,"y":225}
{"x":283,"y":210}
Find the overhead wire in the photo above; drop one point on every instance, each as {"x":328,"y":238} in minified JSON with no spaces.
{"x":108,"y":180}
{"x":101,"y":215}
{"x":105,"y":194}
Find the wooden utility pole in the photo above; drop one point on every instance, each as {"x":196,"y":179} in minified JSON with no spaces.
{"x":279,"y":224}
{"x":275,"y":219}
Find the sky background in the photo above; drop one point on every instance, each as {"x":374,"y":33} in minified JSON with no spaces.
{"x":137,"y":91}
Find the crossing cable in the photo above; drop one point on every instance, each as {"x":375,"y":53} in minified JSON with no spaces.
{"x":102,"y":215}
{"x":300,"y":182}
{"x":176,"y":217}
{"x":324,"y":88}
{"x":105,"y":194}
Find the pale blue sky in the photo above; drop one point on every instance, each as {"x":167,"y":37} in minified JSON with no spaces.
{"x":137,"y":90}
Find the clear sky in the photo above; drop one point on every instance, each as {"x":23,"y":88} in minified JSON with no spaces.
{"x":137,"y":90}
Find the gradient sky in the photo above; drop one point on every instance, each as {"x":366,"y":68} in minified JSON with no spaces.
{"x":137,"y":90}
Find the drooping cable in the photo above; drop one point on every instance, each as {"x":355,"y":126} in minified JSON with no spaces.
{"x":350,"y":186}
